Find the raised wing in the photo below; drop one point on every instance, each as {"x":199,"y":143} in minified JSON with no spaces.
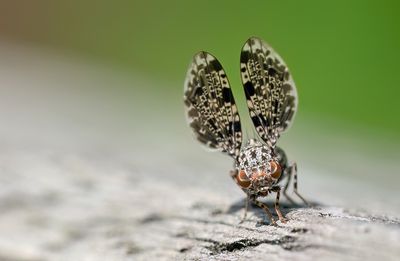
{"x":211,"y":108}
{"x":270,"y":91}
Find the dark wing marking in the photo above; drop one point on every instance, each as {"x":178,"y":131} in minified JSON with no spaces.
{"x":270,"y":91}
{"x":211,"y":108}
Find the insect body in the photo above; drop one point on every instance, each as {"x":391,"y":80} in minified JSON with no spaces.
{"x":272,"y":101}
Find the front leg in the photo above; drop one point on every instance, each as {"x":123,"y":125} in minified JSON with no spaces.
{"x":277,"y":189}
{"x":266,"y":209}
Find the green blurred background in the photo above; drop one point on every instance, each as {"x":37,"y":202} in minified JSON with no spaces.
{"x":92,"y":115}
{"x":344,"y":55}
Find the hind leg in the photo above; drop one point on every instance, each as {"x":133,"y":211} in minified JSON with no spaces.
{"x":294,"y":174}
{"x":289,"y":178}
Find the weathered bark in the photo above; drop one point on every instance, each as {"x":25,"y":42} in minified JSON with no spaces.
{"x":84,"y":178}
{"x":75,"y":207}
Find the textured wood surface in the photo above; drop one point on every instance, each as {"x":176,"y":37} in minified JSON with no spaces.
{"x":85,"y":176}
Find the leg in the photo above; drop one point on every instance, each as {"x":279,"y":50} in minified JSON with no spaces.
{"x":294,"y":173}
{"x":246,"y":207}
{"x":266,"y":209}
{"x":283,"y":161}
{"x":289,"y":178}
{"x":233,"y":174}
{"x":277,"y":209}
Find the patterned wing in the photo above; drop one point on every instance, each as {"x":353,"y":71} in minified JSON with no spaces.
{"x":270,"y":91}
{"x":211,"y":108}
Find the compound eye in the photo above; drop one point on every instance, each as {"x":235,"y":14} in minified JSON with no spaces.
{"x":276,"y":169}
{"x":242,"y":179}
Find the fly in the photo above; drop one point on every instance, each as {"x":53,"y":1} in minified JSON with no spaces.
{"x":271,"y":96}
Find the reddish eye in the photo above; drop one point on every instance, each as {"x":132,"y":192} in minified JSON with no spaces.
{"x":276,"y":170}
{"x":242,"y":179}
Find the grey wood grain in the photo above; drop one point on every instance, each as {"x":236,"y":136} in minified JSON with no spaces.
{"x":89,"y":175}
